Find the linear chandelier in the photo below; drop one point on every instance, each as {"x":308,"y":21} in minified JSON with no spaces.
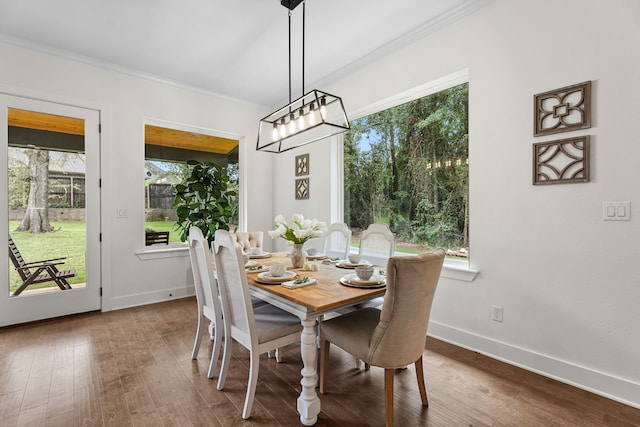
{"x":314,"y":116}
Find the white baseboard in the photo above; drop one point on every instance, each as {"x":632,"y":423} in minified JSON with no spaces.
{"x":611,"y":387}
{"x":152,"y":297}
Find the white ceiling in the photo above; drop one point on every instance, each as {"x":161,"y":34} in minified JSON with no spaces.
{"x":234,"y":48}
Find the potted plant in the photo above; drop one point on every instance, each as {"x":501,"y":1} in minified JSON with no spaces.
{"x":205,"y":200}
{"x":301,"y":230}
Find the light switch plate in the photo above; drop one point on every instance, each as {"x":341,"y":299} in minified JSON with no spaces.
{"x":616,"y":211}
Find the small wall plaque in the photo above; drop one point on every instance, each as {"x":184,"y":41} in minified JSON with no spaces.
{"x":562,"y":110}
{"x":302,"y":188}
{"x":302,"y":164}
{"x":561,"y":161}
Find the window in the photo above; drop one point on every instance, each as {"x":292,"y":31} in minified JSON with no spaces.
{"x":166,"y":154}
{"x":407,"y":166}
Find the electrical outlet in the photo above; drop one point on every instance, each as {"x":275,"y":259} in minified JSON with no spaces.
{"x":497,"y":313}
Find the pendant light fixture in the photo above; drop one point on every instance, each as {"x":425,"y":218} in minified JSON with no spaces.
{"x":314,"y":116}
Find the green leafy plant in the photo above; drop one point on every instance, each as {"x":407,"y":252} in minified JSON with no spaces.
{"x":205,"y":200}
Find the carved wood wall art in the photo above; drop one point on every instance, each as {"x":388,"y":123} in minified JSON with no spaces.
{"x":561,"y":161}
{"x":302,"y":164}
{"x":563,"y":110}
{"x":302,"y":189}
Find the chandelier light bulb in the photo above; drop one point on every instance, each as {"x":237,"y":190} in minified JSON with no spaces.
{"x":301,"y":124}
{"x":312,"y":114}
{"x":283,"y":128}
{"x":292,"y":123}
{"x":323,"y":107}
{"x":274,"y":133}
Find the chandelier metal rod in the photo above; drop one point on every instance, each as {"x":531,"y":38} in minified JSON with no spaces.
{"x":289,"y":59}
{"x":304,"y":7}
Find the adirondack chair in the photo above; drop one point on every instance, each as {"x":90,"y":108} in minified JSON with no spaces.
{"x":32,"y":273}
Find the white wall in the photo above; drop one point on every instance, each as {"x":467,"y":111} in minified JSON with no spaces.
{"x":125,"y":103}
{"x":565,"y":278}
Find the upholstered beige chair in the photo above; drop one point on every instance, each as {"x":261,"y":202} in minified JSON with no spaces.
{"x":395,"y":336}
{"x":248,"y":239}
{"x":258,"y":329}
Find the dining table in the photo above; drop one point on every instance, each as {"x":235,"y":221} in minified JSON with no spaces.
{"x":326,"y":295}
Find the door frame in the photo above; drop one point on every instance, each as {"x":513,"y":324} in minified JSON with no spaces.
{"x":101,"y":260}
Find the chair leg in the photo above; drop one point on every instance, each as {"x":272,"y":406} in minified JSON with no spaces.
{"x":253,"y":382}
{"x":199,"y":333}
{"x":215,"y":353}
{"x":226,"y":358}
{"x":325,"y":346}
{"x":388,"y":395}
{"x":420,"y":377}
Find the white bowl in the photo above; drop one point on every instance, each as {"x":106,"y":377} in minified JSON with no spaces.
{"x":277,"y":270}
{"x":354,"y":258}
{"x":364,"y":272}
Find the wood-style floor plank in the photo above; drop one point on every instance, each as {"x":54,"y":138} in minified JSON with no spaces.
{"x":133,"y":368}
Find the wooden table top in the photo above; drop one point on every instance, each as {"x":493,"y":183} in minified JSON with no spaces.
{"x":325,"y":295}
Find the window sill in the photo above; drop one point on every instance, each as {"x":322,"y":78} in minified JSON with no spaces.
{"x":172,"y":250}
{"x":458,"y":270}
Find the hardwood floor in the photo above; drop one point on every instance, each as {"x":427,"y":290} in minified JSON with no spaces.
{"x":133,"y":368}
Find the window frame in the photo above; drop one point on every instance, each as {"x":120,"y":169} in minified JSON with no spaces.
{"x":452,"y":269}
{"x":180,"y":249}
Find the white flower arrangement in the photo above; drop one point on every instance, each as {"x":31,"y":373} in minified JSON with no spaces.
{"x":300,"y":231}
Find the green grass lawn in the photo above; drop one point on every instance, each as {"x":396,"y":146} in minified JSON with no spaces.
{"x":67,"y":241}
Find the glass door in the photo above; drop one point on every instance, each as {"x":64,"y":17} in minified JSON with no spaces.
{"x":49,"y":164}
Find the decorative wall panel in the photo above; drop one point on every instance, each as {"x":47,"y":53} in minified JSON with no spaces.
{"x":563,"y":110}
{"x":302,"y":164}
{"x":302,"y":189}
{"x":561,"y":161}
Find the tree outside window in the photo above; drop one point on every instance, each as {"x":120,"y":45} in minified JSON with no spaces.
{"x":407,"y":167}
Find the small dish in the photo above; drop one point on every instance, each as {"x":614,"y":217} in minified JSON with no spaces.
{"x":260,"y":255}
{"x":374,"y":282}
{"x":251,"y":264}
{"x":316,"y":257}
{"x":346,"y":264}
{"x":266,"y":278}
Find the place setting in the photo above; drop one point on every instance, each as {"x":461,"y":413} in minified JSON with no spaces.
{"x":276,"y":275}
{"x":354,"y":261}
{"x":364,"y":277}
{"x":257,"y":253}
{"x":314,"y":255}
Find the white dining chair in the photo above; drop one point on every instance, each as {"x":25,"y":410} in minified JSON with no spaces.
{"x":377,"y":244}
{"x":336,"y":241}
{"x":259,"y":329}
{"x":208,"y":300}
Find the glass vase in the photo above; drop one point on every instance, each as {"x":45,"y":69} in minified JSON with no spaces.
{"x":298,"y":258}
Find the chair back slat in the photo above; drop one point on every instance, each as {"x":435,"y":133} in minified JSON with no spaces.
{"x":203,"y":278}
{"x":337,"y":240}
{"x":17,"y":260}
{"x":377,"y":244}
{"x":234,"y":288}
